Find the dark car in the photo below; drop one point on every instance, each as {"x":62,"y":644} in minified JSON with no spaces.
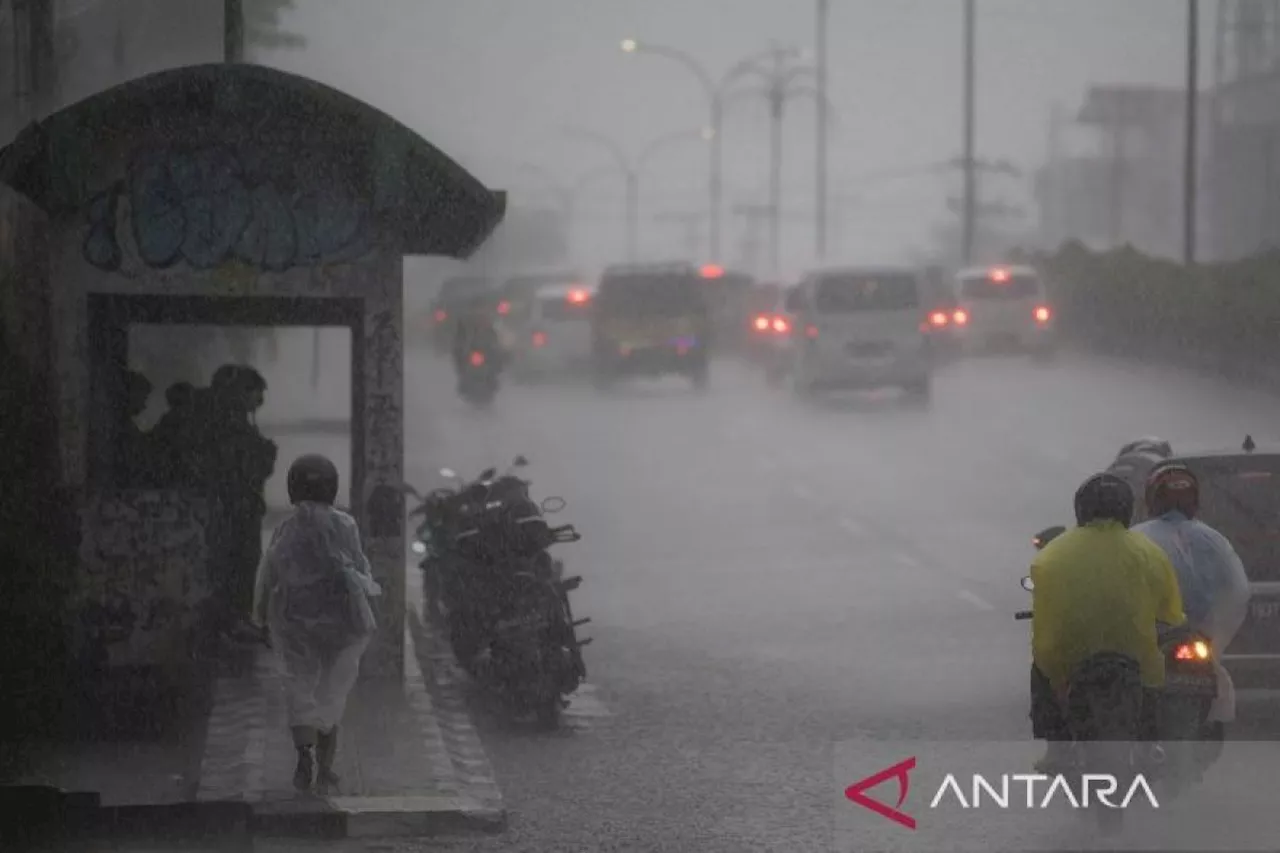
{"x":651,"y":320}
{"x":1240,"y":498}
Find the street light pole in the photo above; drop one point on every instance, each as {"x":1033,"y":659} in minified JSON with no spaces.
{"x":780,"y":78}
{"x":777,"y":108}
{"x":1189,"y":166}
{"x":820,"y":178}
{"x":633,"y":214}
{"x":630,"y":169}
{"x":716,"y":179}
{"x":716,"y":97}
{"x":970,"y":176}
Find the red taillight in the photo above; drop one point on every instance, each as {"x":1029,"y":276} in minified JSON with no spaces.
{"x":781,"y":326}
{"x":762,"y":323}
{"x":1042,"y":314}
{"x":961,"y":317}
{"x":811,"y":332}
{"x":477,"y":359}
{"x":682,"y":350}
{"x":1199,"y":650}
{"x":938,"y":319}
{"x":504,"y":307}
{"x":441,"y":316}
{"x":539,"y":339}
{"x":577,"y":297}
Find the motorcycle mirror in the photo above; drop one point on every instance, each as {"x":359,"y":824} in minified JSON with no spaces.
{"x":487,"y":474}
{"x":553,"y":504}
{"x":448,"y":473}
{"x":1028,"y":584}
{"x":519,"y":462}
{"x":1044,"y":537}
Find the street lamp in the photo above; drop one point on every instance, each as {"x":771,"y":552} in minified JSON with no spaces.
{"x":630,"y":168}
{"x":715,"y":90}
{"x":784,"y":77}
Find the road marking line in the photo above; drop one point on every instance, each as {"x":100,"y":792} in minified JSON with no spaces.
{"x":975,"y":600}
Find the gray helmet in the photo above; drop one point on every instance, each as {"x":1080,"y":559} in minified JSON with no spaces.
{"x":1104,"y":497}
{"x":313,"y":478}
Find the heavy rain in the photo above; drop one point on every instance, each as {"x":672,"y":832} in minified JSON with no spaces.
{"x":577,"y":425}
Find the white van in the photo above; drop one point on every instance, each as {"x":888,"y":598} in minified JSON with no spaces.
{"x":556,"y":334}
{"x":1003,"y":307}
{"x":862,"y":327}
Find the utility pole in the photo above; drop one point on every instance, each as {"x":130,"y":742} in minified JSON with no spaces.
{"x":820,"y":178}
{"x":970,"y":206}
{"x":1190,"y":171}
{"x":233,"y":31}
{"x":970,"y":191}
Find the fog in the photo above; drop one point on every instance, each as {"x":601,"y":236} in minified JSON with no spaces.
{"x":804,"y":524}
{"x":495,"y":83}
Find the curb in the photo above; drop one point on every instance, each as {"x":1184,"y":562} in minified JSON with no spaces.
{"x":471,"y":764}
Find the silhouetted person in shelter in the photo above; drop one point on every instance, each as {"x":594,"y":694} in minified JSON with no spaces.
{"x":238,"y":461}
{"x":173,"y":438}
{"x":135,"y":463}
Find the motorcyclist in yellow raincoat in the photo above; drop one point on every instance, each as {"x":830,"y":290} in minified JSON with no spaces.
{"x":1098,"y":588}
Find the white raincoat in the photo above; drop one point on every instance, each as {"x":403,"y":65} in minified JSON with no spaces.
{"x":1215,"y":589}
{"x":313,"y":591}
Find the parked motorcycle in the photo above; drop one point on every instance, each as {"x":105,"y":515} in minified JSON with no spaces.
{"x":490,"y":579}
{"x":1105,"y":705}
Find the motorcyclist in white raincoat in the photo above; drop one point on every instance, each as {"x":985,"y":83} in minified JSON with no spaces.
{"x":1215,"y":588}
{"x":312,"y":592}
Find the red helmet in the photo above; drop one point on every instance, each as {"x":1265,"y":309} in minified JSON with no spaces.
{"x":1172,"y":487}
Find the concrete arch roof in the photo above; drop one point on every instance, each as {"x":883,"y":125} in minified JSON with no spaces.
{"x":420,"y":200}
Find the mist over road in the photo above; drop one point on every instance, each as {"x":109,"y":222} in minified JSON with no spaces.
{"x":767,"y":577}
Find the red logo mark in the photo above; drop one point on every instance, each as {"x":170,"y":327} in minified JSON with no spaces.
{"x":856,"y":792}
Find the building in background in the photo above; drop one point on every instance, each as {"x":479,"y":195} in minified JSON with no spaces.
{"x":28,"y":85}
{"x":1122,"y":183}
{"x":66,"y":50}
{"x":1243,"y":174}
{"x":1129,"y":189}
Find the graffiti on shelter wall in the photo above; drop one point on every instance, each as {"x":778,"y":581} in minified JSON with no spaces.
{"x":144,"y":557}
{"x":220,"y":204}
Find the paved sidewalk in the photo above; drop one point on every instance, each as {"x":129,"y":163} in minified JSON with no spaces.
{"x":409,"y":759}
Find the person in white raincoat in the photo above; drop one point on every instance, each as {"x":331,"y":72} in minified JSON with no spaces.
{"x":312,"y":592}
{"x":1215,"y":588}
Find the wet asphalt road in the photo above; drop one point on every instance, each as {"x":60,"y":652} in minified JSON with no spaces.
{"x":767,"y":578}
